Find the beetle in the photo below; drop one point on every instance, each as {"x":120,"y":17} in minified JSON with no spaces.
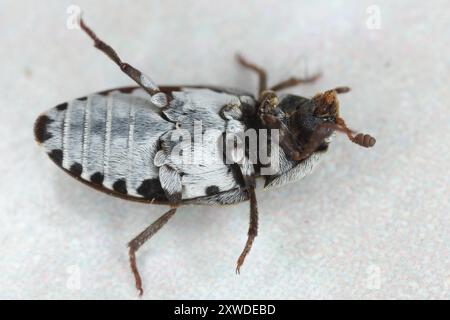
{"x":123,"y":141}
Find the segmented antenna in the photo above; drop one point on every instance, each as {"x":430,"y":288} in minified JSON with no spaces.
{"x":342,"y":89}
{"x":364,"y":140}
{"x":361,"y":139}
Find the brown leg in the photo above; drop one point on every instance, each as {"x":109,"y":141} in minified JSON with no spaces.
{"x":262,"y":75}
{"x":252,"y":230}
{"x":291,"y":82}
{"x":140,"y":78}
{"x":137,"y":242}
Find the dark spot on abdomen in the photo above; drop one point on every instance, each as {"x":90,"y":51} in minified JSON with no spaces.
{"x":212,"y":190}
{"x":97,"y":178}
{"x":57,"y":156}
{"x":76,"y":169}
{"x":61,"y":107}
{"x":82,"y":99}
{"x":152,"y":189}
{"x":40,"y":129}
{"x":120,"y":186}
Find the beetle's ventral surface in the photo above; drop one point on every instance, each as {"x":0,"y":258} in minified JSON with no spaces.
{"x":121,"y":141}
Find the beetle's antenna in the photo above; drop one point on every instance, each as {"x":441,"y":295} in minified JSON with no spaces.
{"x":364,"y":140}
{"x":342,"y":89}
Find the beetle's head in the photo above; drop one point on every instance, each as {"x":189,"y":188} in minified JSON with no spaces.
{"x":306,"y":116}
{"x":313,"y":121}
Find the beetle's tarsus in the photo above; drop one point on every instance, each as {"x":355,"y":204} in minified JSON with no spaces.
{"x":294,"y":81}
{"x":252,"y":230}
{"x":134,"y":269}
{"x":138,"y":241}
{"x":244,"y":253}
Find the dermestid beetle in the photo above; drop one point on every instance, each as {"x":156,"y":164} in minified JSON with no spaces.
{"x":126,"y":142}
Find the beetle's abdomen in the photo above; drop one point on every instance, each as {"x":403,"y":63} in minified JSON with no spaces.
{"x":108,"y":140}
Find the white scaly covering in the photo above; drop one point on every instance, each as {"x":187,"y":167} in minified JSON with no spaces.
{"x":124,"y":139}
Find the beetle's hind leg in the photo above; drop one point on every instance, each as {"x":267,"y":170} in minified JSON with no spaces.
{"x":138,"y":241}
{"x":262,"y":74}
{"x":158,"y":98}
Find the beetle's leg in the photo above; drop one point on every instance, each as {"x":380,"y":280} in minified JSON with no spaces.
{"x":141,"y":79}
{"x":137,"y":242}
{"x":252,"y":230}
{"x":262,"y":74}
{"x":291,"y":82}
{"x":247,"y":170}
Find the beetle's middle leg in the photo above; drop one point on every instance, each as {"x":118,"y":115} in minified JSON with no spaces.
{"x":138,"y":241}
{"x":141,"y":79}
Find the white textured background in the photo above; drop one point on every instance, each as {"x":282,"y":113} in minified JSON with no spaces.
{"x":368,"y":224}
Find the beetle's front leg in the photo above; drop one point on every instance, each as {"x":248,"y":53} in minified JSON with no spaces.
{"x":293,"y":81}
{"x":158,"y":98}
